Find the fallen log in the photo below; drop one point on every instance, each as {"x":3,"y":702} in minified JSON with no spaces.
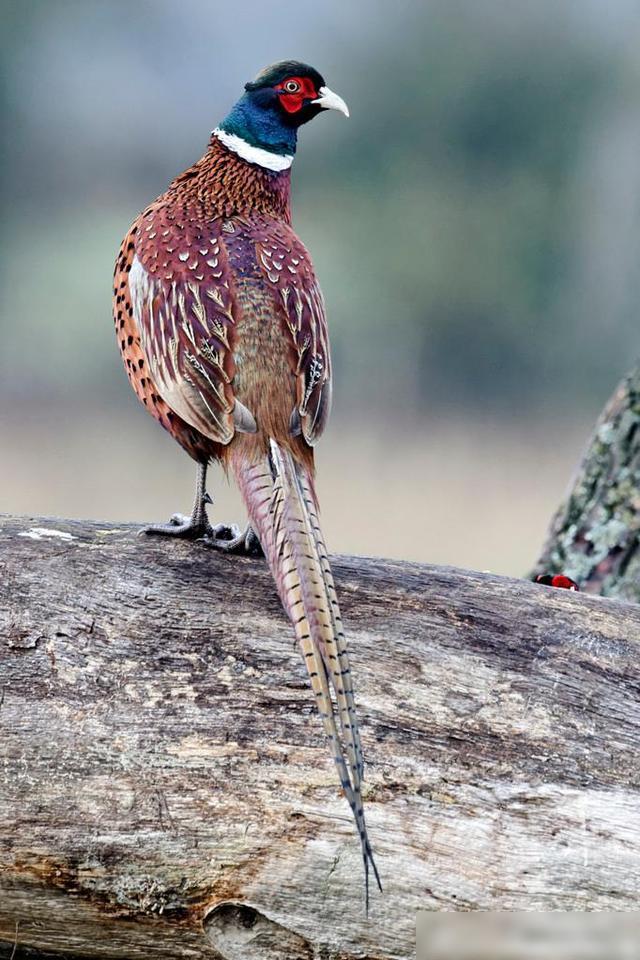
{"x":167,"y":791}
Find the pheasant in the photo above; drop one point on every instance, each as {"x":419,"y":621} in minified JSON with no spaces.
{"x":222,"y":329}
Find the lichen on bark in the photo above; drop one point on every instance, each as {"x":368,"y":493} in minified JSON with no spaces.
{"x":595,"y":535}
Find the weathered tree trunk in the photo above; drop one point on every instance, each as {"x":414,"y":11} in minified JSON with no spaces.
{"x":167,"y":790}
{"x":595,"y":535}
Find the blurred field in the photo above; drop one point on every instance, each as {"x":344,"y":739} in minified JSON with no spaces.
{"x":474,"y":494}
{"x":474,"y":226}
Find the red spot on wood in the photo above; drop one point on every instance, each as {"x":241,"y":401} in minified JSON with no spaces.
{"x":557,"y":580}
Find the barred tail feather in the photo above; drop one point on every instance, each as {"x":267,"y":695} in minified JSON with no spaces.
{"x":339,"y":646}
{"x":282,"y":508}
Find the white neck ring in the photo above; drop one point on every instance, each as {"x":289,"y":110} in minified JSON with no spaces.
{"x":263,"y":158}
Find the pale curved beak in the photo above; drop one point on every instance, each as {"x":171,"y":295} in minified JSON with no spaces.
{"x":329,"y":100}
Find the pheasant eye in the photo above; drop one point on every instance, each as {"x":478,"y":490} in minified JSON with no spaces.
{"x":294,"y":92}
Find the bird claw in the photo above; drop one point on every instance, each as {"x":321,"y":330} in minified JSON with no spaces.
{"x":180,"y":527}
{"x":228,"y":538}
{"x":227,"y":532}
{"x":179,"y":520}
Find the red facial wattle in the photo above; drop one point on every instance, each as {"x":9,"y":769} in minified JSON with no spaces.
{"x":294,"y":100}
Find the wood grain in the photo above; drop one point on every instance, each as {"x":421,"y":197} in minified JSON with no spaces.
{"x":166,"y":788}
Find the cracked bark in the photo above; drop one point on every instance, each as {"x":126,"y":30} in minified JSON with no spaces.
{"x":167,"y":791}
{"x":595,"y":535}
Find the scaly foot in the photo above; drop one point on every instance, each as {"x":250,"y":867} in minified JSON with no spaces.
{"x":190,"y":528}
{"x":180,"y":526}
{"x":230,"y":539}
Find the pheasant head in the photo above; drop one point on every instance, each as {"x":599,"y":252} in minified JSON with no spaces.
{"x":262,"y":127}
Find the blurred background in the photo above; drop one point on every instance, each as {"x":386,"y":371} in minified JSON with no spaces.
{"x":475,"y":226}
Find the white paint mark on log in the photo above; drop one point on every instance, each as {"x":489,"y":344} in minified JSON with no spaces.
{"x":40,"y":533}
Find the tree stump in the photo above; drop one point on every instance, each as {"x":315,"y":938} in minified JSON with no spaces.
{"x":167,"y":791}
{"x":595,"y":535}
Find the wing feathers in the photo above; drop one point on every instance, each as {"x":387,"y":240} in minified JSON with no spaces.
{"x":185,"y":329}
{"x":288,"y":270}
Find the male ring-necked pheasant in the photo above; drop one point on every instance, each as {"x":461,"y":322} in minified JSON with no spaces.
{"x":222,"y":329}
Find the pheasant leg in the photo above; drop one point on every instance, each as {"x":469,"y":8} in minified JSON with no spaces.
{"x":226,"y":537}
{"x":193,"y":527}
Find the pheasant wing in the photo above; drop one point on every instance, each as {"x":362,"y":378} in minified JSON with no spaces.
{"x":182,"y":300}
{"x":288,"y":270}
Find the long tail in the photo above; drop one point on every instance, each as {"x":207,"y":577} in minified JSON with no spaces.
{"x":281,"y":502}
